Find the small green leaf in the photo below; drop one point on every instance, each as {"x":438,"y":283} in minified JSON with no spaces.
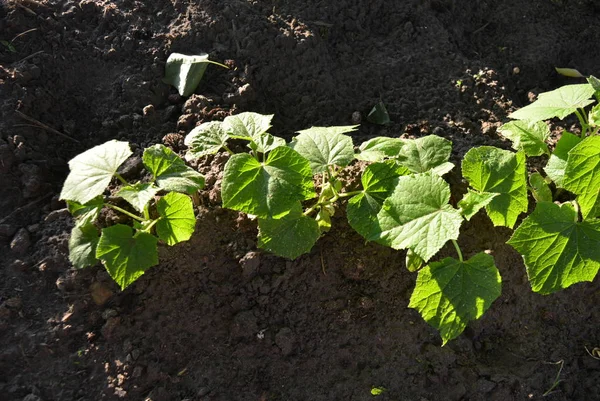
{"x":428,"y":153}
{"x":557,"y":103}
{"x":88,"y":213}
{"x":378,"y":181}
{"x":290,"y":236}
{"x":138,"y":195}
{"x":413,"y":261}
{"x":531,"y":137}
{"x":380,"y":148}
{"x":558,"y":251}
{"x":266,"y":142}
{"x":126,"y":256}
{"x":268,"y":189}
{"x":185,"y":72}
{"x":489,"y":169}
{"x":170,"y":171}
{"x":92,"y":171}
{"x":177,"y":220}
{"x":582,"y":174}
{"x":417,"y":216}
{"x":558,"y":160}
{"x":569,"y":72}
{"x":379,"y":115}
{"x":82,"y":245}
{"x":247,"y":125}
{"x":539,"y":188}
{"x":375,"y":391}
{"x":449,"y":294}
{"x":205,"y":139}
{"x":595,"y":82}
{"x":473,"y":201}
{"x":594,"y":116}
{"x":323,"y":219}
{"x":325,"y":146}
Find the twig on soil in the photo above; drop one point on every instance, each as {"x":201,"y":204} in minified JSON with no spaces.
{"x":323,"y":264}
{"x":557,"y":378}
{"x":30,"y":56}
{"x":23,"y":33}
{"x":480,"y":29}
{"x":595,"y":353}
{"x":22,"y":208}
{"x":44,"y":126}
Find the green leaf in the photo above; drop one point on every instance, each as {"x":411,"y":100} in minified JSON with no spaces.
{"x":323,"y":219}
{"x":379,"y":115}
{"x":417,"y":216}
{"x":449,"y":294}
{"x":378,"y":181}
{"x":88,"y":213}
{"x":170,"y":171}
{"x":325,"y":146}
{"x":290,"y":236}
{"x":413,"y":261}
{"x":378,"y":391}
{"x":268,"y":189}
{"x":82,"y":245}
{"x":569,"y":72}
{"x":185,"y":72}
{"x":589,"y":203}
{"x":582,"y":174}
{"x":558,"y":251}
{"x":555,"y":169}
{"x":539,"y":188}
{"x":126,"y":256}
{"x":247,"y":125}
{"x":531,"y":137}
{"x":378,"y":149}
{"x":92,"y":171}
{"x":557,"y":103}
{"x":138,"y":195}
{"x":427,"y":153}
{"x":205,"y":139}
{"x":266,"y":142}
{"x":177,"y":220}
{"x":473,"y":201}
{"x":594,"y":116}
{"x":490,"y":169}
{"x":595,"y":82}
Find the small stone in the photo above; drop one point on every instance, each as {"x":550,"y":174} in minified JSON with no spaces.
{"x":132,"y":167}
{"x":100,"y":293}
{"x":356,"y":117}
{"x":108,"y":330}
{"x":285,"y":340}
{"x":21,"y":242}
{"x":516,"y":71}
{"x":250,"y":264}
{"x":135,"y":354}
{"x":148,"y":110}
{"x":56,"y":214}
{"x":34,"y":228}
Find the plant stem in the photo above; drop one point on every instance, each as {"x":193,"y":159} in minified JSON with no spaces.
{"x":460,"y":257}
{"x":121,"y":179}
{"x":228,"y":150}
{"x":347,"y":194}
{"x":125,"y":212}
{"x":583,"y":122}
{"x":149,"y":228}
{"x":577,"y":210}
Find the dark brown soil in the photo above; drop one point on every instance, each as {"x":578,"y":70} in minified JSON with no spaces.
{"x":217,"y":319}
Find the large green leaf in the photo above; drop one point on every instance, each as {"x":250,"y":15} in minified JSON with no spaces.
{"x":450,"y":293}
{"x":473,"y":201}
{"x":380,"y":148}
{"x":268,"y":189}
{"x":531,"y":137}
{"x":82,"y":245}
{"x":557,"y":103}
{"x":138,"y":195}
{"x":88,"y":213}
{"x":290,"y":236}
{"x":177,"y":221}
{"x":558,"y":251}
{"x":126,"y":255}
{"x":489,"y":169}
{"x":378,"y":181}
{"x":185,"y":72}
{"x":582,"y":173}
{"x":247,"y":125}
{"x":558,"y":160}
{"x":428,"y":153}
{"x":92,"y":170}
{"x":325,"y":146}
{"x":205,"y":139}
{"x":417,"y":216}
{"x":170,"y":171}
{"x":266,"y":142}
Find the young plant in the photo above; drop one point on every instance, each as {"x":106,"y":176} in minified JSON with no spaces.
{"x":160,"y":210}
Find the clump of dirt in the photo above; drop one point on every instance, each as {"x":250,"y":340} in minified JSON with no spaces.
{"x":219,"y":319}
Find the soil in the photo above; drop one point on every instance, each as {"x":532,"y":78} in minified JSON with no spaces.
{"x":218,"y":319}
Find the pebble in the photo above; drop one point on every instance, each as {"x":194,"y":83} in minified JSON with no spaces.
{"x":21,"y":242}
{"x":100,"y":293}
